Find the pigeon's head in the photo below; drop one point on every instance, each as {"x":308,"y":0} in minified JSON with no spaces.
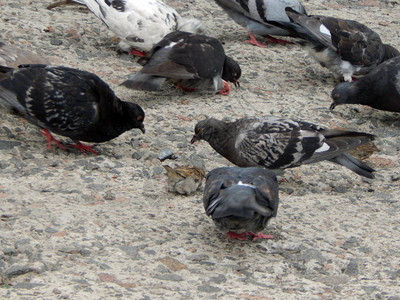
{"x":136,"y":116}
{"x":205,"y":129}
{"x":341,"y":94}
{"x":231,"y":71}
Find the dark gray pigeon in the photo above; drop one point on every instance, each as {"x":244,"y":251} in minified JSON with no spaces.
{"x":345,"y":47}
{"x":139,"y":24}
{"x":69,"y":102}
{"x":379,"y":89}
{"x":278,"y":143}
{"x":258,"y":16}
{"x":192,"y":61}
{"x":241,"y":201}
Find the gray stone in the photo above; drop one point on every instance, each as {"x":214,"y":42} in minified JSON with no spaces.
{"x":14,"y":271}
{"x":206,"y":288}
{"x":5,"y":145}
{"x":218,"y":279}
{"x":169,"y":277}
{"x":352,"y":268}
{"x":56,"y":42}
{"x":310,"y":254}
{"x":350,"y":243}
{"x":27,"y":285}
{"x":131,"y":251}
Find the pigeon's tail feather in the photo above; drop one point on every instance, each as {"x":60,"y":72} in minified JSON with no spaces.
{"x":354,"y":164}
{"x":4,"y":69}
{"x":65,"y":2}
{"x":144,"y":82}
{"x":8,"y":99}
{"x":237,"y":201}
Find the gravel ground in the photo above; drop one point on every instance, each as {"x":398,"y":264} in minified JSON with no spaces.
{"x":79,"y":226}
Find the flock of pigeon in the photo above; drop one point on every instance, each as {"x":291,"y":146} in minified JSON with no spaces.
{"x":241,"y":200}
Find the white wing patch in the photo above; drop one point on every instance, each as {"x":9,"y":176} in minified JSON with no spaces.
{"x":325,"y":147}
{"x":324,"y":30}
{"x":246,"y":184}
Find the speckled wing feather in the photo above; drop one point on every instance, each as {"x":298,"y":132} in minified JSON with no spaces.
{"x":277,"y":143}
{"x":76,"y":108}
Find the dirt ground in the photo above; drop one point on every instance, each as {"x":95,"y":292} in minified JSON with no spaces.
{"x":76,"y":226}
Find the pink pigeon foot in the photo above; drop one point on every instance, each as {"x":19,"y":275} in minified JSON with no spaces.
{"x":137,"y":53}
{"x":239,"y":236}
{"x":51,"y":139}
{"x":260,"y":235}
{"x":184,"y":89}
{"x":253,"y":41}
{"x":273,"y":40}
{"x":225,"y":90}
{"x":83,"y":148}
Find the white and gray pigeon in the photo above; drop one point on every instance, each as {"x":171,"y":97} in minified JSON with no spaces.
{"x":69,"y":102}
{"x":258,"y":16}
{"x":279,"y":143}
{"x":345,"y":47}
{"x":379,"y":89}
{"x":241,"y":201}
{"x":139,"y":24}
{"x":192,"y":61}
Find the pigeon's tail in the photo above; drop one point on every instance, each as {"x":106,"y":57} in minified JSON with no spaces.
{"x":144,"y":82}
{"x":390,"y":52}
{"x":192,"y":25}
{"x":3,"y":70}
{"x":237,"y":201}
{"x":354,"y":164}
{"x":65,"y":2}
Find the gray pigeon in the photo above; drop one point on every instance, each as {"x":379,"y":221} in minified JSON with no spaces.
{"x":379,"y":89}
{"x":345,"y":47}
{"x":241,"y":201}
{"x":258,"y":16}
{"x":192,"y":61}
{"x":278,"y":143}
{"x":69,"y":102}
{"x":139,"y":24}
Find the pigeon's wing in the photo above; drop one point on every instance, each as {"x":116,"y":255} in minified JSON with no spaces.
{"x":55,"y":98}
{"x":313,"y":29}
{"x":277,"y":143}
{"x":193,"y":56}
{"x":217,"y":180}
{"x":354,"y":42}
{"x":266,"y":188}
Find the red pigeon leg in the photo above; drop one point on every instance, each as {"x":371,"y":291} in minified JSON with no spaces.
{"x":253,"y":41}
{"x":225,"y":90}
{"x":184,"y":89}
{"x":239,"y":236}
{"x":137,"y":53}
{"x":51,"y":139}
{"x":273,"y":40}
{"x":83,"y":148}
{"x":260,"y":235}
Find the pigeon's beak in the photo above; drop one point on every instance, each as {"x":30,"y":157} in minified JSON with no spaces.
{"x":142,"y":128}
{"x":333,"y":105}
{"x":194,"y":139}
{"x":236,"y":83}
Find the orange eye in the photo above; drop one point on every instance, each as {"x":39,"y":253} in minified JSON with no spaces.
{"x":140,"y":118}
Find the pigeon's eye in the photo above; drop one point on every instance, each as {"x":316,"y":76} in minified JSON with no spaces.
{"x":140,"y":118}
{"x":199,"y":130}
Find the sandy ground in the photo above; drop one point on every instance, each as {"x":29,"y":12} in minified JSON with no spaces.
{"x":79,"y":226}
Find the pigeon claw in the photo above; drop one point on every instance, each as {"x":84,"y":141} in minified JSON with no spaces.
{"x":260,"y":235}
{"x":225,"y":90}
{"x":83,"y":148}
{"x":184,"y":89}
{"x":51,"y":139}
